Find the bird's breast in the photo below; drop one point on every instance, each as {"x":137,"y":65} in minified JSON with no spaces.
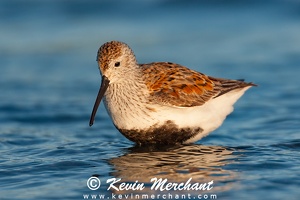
{"x":129,"y":107}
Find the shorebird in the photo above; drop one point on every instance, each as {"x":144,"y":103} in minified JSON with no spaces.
{"x":161,"y":102}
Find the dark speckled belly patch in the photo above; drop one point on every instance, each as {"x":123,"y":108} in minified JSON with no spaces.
{"x":168,"y":133}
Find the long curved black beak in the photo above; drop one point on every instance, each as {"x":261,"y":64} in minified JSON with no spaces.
{"x":102,"y":90}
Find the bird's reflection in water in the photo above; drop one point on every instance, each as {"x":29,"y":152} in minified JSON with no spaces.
{"x":177,"y":164}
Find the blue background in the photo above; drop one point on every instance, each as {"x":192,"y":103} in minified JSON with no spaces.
{"x":49,"y":80}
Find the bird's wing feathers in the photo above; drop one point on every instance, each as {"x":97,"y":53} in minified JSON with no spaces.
{"x":174,"y":85}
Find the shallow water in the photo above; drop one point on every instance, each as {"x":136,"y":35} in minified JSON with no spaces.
{"x":49,"y":80}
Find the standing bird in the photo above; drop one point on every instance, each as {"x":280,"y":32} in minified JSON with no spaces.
{"x":161,"y":102}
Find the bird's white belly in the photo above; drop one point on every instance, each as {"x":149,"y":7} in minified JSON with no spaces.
{"x":205,"y":118}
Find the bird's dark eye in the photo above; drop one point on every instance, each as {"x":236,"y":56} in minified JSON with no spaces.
{"x":117,"y":64}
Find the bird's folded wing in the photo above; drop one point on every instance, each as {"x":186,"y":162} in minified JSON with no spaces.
{"x":175,"y":85}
